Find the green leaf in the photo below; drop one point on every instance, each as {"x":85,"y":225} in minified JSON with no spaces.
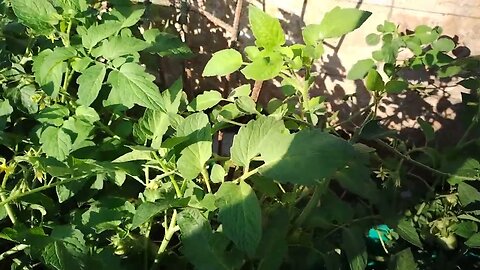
{"x":199,"y":242}
{"x":273,"y":246}
{"x":147,"y":210}
{"x":444,"y":45}
{"x":355,"y":177}
{"x":80,"y":131}
{"x":336,"y":23}
{"x":71,"y":5}
{"x":406,"y":230}
{"x":223,"y":63}
{"x":165,"y":44}
{"x":131,"y":84}
{"x":267,"y":30}
{"x":206,"y":100}
{"x":241,"y":91}
{"x":396,"y":86}
{"x":39,"y":15}
{"x":264,"y":68}
{"x":96,"y":33}
{"x":360,"y":69}
{"x":67,"y":191}
{"x":172,"y":96}
{"x":152,"y":126}
{"x":467,"y":194}
{"x":403,"y":260}
{"x":129,"y":15}
{"x":193,"y":157}
{"x":90,"y":83}
{"x":246,"y":105}
{"x":53,"y":115}
{"x":87,"y":114}
{"x":466,"y":229}
{"x":374,"y":81}
{"x":118,"y":46}
{"x":468,"y":167}
{"x":353,"y":243}
{"x":56,"y":143}
{"x":218,"y":174}
{"x":240,"y":215}
{"x":473,"y":241}
{"x":252,"y":139}
{"x":427,"y":129}
{"x":372,"y":39}
{"x":305,"y":157}
{"x":49,"y":66}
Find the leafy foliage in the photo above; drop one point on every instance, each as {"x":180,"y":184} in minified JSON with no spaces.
{"x":104,"y":169}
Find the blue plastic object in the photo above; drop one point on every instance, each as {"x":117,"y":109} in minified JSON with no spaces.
{"x":380,"y":231}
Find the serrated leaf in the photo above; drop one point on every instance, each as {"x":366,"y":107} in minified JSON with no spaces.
{"x":473,"y":241}
{"x":241,"y":91}
{"x":335,"y":23}
{"x":217,"y":174}
{"x":90,"y":83}
{"x":131,"y":84}
{"x":360,"y":69}
{"x":48,"y":67}
{"x":87,"y":114}
{"x":403,"y":260}
{"x":353,"y":243}
{"x":56,"y":143}
{"x":264,"y":68}
{"x":406,"y":230}
{"x":467,"y":194}
{"x":223,"y":63}
{"x":306,"y":157}
{"x":193,"y":157}
{"x":245,"y":104}
{"x":204,"y":101}
{"x":374,"y":81}
{"x":198,"y":242}
{"x":152,"y":126}
{"x":53,"y":115}
{"x":118,"y":46}
{"x":252,"y":139}
{"x":267,"y":30}
{"x":39,"y":15}
{"x":166,"y":44}
{"x":148,"y":210}
{"x":466,"y":229}
{"x":240,"y":215}
{"x":96,"y":33}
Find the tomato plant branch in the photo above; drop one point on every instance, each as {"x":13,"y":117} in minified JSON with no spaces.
{"x":312,"y":203}
{"x":421,"y":165}
{"x":172,"y":229}
{"x":6,"y":205}
{"x":206,"y":179}
{"x":12,"y":251}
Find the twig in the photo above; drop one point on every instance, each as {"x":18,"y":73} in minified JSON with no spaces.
{"x":212,"y":18}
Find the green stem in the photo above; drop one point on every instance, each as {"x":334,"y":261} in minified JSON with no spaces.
{"x":171,"y":176}
{"x":8,"y":208}
{"x":172,"y":228}
{"x":421,"y":165}
{"x":206,"y":179}
{"x":461,"y":142}
{"x":312,"y":203}
{"x":248,"y":174}
{"x":35,"y":190}
{"x":13,"y":250}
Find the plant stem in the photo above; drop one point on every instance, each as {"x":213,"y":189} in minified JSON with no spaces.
{"x":13,"y":250}
{"x":421,"y":165}
{"x":35,"y":190}
{"x":206,"y":179}
{"x":172,"y":228}
{"x":171,"y":176}
{"x":312,"y":203}
{"x":8,"y":208}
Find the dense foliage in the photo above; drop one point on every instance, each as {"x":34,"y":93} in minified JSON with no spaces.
{"x":103,"y":170}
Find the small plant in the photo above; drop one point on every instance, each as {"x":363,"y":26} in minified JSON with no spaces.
{"x":103,"y":170}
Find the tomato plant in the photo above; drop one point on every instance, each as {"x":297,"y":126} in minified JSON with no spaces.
{"x":102,"y":169}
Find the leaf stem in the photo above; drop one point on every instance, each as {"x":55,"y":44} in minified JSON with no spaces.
{"x":13,"y":250}
{"x":206,"y":179}
{"x":421,"y":165}
{"x":172,"y":228}
{"x":8,"y":208}
{"x":312,"y":203}
{"x":35,"y":190}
